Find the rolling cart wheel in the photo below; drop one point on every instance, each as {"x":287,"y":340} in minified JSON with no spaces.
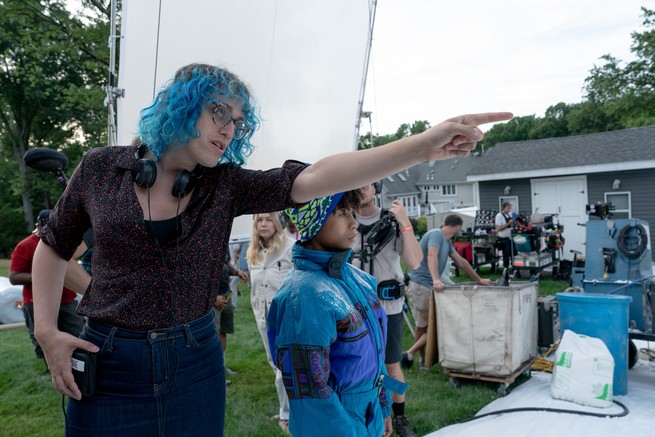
{"x":456,"y":383}
{"x":633,"y":354}
{"x":502,"y":388}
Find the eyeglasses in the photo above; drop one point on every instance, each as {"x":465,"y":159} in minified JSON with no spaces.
{"x":222,"y":116}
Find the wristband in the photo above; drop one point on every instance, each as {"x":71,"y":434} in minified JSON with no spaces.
{"x":406,"y":228}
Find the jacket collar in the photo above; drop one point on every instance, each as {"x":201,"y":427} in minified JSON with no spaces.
{"x":331,"y":262}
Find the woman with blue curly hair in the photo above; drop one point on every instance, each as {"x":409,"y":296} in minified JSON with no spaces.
{"x":162,"y":211}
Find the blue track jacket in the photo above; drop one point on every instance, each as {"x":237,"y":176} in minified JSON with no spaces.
{"x":327,"y":331}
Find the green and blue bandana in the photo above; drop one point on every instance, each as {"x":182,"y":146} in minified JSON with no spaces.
{"x":310,"y":217}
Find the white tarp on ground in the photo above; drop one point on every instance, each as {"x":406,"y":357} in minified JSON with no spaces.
{"x":640,"y":401}
{"x":304,"y":60}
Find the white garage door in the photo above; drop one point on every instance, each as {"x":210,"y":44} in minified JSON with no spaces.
{"x":567,"y":199}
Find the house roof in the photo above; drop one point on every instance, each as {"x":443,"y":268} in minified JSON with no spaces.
{"x":449,"y":171}
{"x":627,"y":149}
{"x":409,"y":181}
{"x":404,"y":182}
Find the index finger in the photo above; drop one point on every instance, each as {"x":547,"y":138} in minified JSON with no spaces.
{"x":482,"y":118}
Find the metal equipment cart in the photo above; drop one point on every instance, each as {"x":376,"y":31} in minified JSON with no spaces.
{"x":538,"y":246}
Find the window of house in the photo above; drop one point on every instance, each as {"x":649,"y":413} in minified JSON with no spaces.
{"x":621,"y":202}
{"x":449,"y":190}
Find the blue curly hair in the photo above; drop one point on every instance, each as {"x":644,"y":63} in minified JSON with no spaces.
{"x":171,"y":119}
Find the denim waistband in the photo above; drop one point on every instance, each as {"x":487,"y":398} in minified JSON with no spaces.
{"x":106,"y":329}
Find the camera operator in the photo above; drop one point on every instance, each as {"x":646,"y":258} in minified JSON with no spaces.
{"x":384,"y":238}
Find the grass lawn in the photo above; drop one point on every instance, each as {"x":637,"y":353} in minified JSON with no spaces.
{"x":30,"y":406}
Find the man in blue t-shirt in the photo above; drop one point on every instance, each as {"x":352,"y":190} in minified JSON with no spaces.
{"x":437,"y":247}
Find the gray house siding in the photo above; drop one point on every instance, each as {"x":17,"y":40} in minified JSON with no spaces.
{"x":640,"y":184}
{"x":491,"y":191}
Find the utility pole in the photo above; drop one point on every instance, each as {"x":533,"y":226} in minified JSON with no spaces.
{"x":113,"y":92}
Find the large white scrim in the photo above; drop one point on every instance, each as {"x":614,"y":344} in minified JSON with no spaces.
{"x":305,"y":61}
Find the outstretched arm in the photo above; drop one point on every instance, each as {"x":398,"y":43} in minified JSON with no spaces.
{"x":468,"y":269}
{"x":347,"y":171}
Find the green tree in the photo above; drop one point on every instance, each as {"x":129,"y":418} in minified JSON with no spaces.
{"x":516,"y":129}
{"x":625,"y":94}
{"x":420,"y":225}
{"x":53,"y":70}
{"x":553,"y":124}
{"x":368,"y":141}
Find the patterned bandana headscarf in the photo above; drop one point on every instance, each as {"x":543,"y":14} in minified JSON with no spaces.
{"x":310,"y":217}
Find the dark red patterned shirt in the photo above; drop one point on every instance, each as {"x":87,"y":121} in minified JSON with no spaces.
{"x":133,"y":287}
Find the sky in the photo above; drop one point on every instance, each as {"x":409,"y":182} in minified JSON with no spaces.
{"x":431,"y":60}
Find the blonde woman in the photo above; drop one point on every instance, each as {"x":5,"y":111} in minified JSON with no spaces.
{"x":269,"y":260}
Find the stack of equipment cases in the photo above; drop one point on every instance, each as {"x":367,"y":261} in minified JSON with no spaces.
{"x":487,"y":330}
{"x":484,"y":236}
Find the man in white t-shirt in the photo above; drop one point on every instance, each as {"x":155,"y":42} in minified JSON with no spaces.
{"x":385,"y":266}
{"x":504,"y":224}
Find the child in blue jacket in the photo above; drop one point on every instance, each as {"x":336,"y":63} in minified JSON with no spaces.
{"x":327,"y":329}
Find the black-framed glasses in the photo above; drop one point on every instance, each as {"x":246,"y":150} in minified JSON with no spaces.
{"x":222,"y":116}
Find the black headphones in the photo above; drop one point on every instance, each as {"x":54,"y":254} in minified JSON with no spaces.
{"x":378,"y":187}
{"x":145,"y":174}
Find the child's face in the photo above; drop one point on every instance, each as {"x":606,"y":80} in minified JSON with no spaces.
{"x":338,"y":232}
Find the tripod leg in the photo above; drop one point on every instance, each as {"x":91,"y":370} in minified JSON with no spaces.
{"x":407,"y":321}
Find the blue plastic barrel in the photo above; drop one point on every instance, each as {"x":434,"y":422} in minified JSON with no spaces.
{"x":603,"y":316}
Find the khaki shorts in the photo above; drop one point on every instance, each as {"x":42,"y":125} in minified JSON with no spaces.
{"x":419,"y":302}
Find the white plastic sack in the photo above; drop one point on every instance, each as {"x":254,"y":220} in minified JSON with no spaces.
{"x":11,"y":299}
{"x":583,"y":372}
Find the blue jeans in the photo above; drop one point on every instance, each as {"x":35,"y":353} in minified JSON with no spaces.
{"x":162,"y":382}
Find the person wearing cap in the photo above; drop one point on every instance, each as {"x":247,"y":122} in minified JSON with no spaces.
{"x":327,"y":329}
{"x":20,"y":273}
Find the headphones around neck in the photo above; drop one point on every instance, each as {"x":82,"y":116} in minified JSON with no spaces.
{"x":145,"y":174}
